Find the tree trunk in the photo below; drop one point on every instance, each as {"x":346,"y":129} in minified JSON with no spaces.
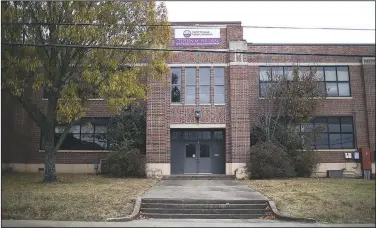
{"x":50,"y":159}
{"x":49,"y":137}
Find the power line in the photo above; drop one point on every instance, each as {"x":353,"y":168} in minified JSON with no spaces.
{"x":170,"y":25}
{"x":180,"y":50}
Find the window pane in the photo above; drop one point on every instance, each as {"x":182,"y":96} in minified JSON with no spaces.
{"x":303,"y":71}
{"x":322,"y":123}
{"x":264,"y":87}
{"x":219,"y":94}
{"x":176,"y":76}
{"x":346,"y":124}
{"x":347,"y":141}
{"x":190,"y":95}
{"x":87,"y":142}
{"x":60,"y":129}
{"x":343,"y":89}
{"x":204,"y":76}
{"x":321,"y":141}
{"x":319,"y":76}
{"x":330,"y":74}
{"x":204,"y":135}
{"x":190,"y":76}
{"x":334,"y":124}
{"x":204,"y":151}
{"x":190,"y":150}
{"x":277,"y":73}
{"x":72,"y":142}
{"x":100,"y":129}
{"x":176,"y":135}
{"x":204,"y":94}
{"x":87,"y":128}
{"x":175,"y":94}
{"x":100,"y":142}
{"x":343,"y":73}
{"x":265,"y":74}
{"x":288,"y":73}
{"x":190,"y":135}
{"x":219,"y":76}
{"x":335,"y":140}
{"x":218,"y":134}
{"x":321,"y":87}
{"x":331,"y":89}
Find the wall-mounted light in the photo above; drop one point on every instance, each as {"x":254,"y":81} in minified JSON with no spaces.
{"x":198,"y":113}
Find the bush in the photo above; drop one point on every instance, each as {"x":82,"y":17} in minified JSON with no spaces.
{"x":127,"y":162}
{"x":128,"y":129}
{"x":287,"y":143}
{"x":269,"y":160}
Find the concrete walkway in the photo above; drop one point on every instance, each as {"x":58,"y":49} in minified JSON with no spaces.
{"x":203,"y":189}
{"x":174,"y":223}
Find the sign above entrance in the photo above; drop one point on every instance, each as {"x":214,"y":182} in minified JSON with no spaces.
{"x":197,"y":37}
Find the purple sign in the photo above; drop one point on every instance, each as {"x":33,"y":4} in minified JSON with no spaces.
{"x":197,"y":41}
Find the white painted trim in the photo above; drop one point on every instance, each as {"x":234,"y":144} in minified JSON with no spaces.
{"x":339,"y":98}
{"x":81,"y":151}
{"x":176,"y":104}
{"x":368,"y":60}
{"x":239,"y":64}
{"x":197,"y":65}
{"x":220,"y":104}
{"x":198,"y":26}
{"x":304,"y":64}
{"x":335,"y":150}
{"x":197,"y":126}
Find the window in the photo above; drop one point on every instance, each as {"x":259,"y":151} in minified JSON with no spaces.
{"x":204,"y":85}
{"x":334,"y":80}
{"x":175,"y":85}
{"x":190,"y":85}
{"x":219,"y":85}
{"x":337,"y":133}
{"x":86,"y":134}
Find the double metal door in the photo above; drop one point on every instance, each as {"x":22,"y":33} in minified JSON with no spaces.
{"x":197,"y":158}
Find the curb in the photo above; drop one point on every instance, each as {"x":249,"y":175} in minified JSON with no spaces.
{"x":278,"y":215}
{"x":134,"y":215}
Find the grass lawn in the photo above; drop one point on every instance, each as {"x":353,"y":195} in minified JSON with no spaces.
{"x":75,"y":197}
{"x":323,"y":199}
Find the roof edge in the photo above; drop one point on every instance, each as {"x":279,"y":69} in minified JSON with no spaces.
{"x":204,"y":22}
{"x":311,"y":44}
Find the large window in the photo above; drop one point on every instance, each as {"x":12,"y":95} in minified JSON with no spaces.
{"x":86,"y":134}
{"x":334,"y":80}
{"x":190,"y":85}
{"x":175,"y":85}
{"x":337,"y":132}
{"x":219,"y":85}
{"x":204,"y":85}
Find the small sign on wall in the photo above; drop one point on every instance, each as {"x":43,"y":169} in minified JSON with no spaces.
{"x":197,"y":37}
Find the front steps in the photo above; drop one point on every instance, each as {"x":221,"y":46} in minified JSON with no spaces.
{"x":203,"y":209}
{"x":199,"y":177}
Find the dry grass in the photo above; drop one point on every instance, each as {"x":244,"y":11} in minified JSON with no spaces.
{"x":326,"y":200}
{"x":75,"y":197}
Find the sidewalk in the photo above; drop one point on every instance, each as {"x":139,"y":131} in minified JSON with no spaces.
{"x":174,"y":223}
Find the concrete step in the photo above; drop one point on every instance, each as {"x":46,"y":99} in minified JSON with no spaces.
{"x":203,"y":216}
{"x":203,"y":206}
{"x":199,"y":177}
{"x":202,"y":211}
{"x":200,"y":201}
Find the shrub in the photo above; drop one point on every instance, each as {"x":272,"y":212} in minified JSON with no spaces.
{"x":128,"y":129}
{"x":269,"y":160}
{"x":127,"y":162}
{"x":291,"y":146}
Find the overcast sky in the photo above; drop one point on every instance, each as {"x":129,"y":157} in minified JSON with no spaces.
{"x":354,"y":14}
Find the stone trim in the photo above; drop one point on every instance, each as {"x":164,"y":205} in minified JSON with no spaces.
{"x":368,"y":61}
{"x":81,"y":151}
{"x":306,"y":64}
{"x":197,"y":126}
{"x":157,"y":170}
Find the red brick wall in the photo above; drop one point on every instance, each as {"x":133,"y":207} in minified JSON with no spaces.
{"x":239,"y":112}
